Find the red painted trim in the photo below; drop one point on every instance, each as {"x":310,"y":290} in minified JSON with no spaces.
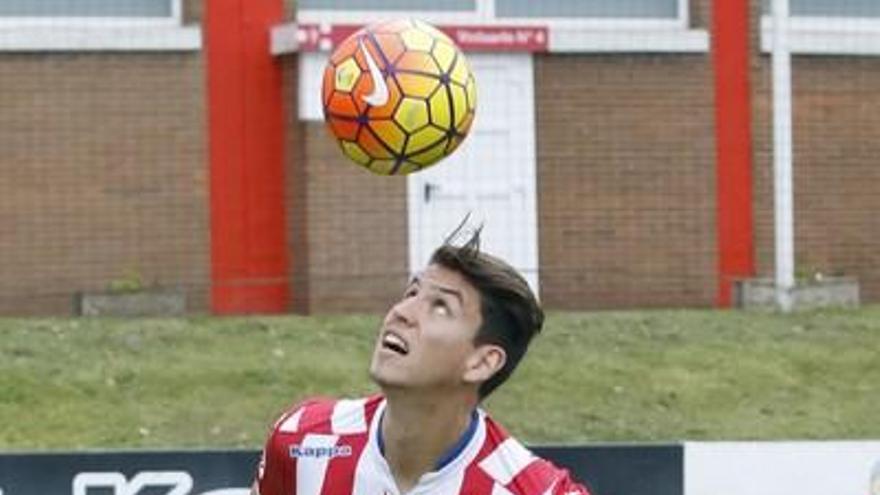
{"x":249,"y":261}
{"x":730,"y":55}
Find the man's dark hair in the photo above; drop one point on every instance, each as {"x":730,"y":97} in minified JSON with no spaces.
{"x":511,"y":312}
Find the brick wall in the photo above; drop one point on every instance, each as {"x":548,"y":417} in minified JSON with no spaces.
{"x":701,"y":13}
{"x":836,"y":124}
{"x":346,"y":227}
{"x":626,"y":180}
{"x":835,"y":120}
{"x":193,"y":11}
{"x":626,"y":193}
{"x":356,"y":230}
{"x":104,"y":174}
{"x":296,"y":194}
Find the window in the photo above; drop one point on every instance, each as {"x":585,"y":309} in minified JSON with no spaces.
{"x":86,"y":8}
{"x":639,"y":14}
{"x":150,"y":12}
{"x":516,"y":8}
{"x":428,"y":5}
{"x":95,"y":25}
{"x":588,"y":8}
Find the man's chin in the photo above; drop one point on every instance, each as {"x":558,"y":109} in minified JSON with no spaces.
{"x":385,"y":378}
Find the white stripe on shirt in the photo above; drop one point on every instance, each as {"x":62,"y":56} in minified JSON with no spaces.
{"x":349,"y":417}
{"x":507,"y":461}
{"x":291,"y":424}
{"x":312,"y":469}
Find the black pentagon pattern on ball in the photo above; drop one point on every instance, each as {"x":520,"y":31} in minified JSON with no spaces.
{"x":450,"y":136}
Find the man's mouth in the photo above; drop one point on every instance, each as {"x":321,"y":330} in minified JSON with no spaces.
{"x":395,"y":343}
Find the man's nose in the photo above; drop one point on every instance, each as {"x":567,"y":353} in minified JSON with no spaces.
{"x":405,"y":310}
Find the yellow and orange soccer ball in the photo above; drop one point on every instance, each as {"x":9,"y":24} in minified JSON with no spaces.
{"x":398,"y":96}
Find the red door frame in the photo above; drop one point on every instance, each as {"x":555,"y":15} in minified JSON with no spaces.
{"x":733,"y":119}
{"x":249,"y":259}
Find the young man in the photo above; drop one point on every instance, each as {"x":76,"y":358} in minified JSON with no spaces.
{"x":457,"y":333}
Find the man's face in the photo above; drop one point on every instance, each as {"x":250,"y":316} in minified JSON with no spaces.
{"x":427,"y":336}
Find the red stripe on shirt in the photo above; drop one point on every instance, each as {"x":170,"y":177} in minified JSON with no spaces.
{"x":535,"y":478}
{"x":339,"y":478}
{"x":340,"y":474}
{"x":317,"y":418}
{"x":476,"y":481}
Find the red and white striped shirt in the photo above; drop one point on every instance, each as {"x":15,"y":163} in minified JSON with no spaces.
{"x":329,"y":447}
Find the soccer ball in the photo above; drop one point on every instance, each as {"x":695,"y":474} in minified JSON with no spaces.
{"x":398,"y":96}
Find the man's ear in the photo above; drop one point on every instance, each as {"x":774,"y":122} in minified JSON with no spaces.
{"x":484,"y":361}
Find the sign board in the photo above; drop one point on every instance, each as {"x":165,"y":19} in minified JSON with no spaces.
{"x":782,"y":468}
{"x":128,"y":473}
{"x":493,"y":38}
{"x":609,"y":470}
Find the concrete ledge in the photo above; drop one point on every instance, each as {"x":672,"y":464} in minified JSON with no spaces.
{"x":142,"y":303}
{"x":629,"y":41}
{"x":760,"y":293}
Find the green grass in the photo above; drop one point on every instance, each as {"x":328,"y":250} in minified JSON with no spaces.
{"x":591,"y":377}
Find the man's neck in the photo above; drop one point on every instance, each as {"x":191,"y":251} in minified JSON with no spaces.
{"x":417,"y":431}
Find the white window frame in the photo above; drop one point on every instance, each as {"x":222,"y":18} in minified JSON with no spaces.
{"x":485,"y":14}
{"x":175,"y":19}
{"x":93,"y":33}
{"x":587,"y":34}
{"x":682,"y":21}
{"x":826,"y":35}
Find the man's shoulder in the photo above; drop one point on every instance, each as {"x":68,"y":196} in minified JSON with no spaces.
{"x":509,"y":463}
{"x":328,"y":416}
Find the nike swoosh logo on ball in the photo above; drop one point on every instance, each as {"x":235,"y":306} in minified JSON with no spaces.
{"x":380,"y":89}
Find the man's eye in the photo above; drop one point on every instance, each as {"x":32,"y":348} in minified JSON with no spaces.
{"x":409,"y":293}
{"x":441,"y":307}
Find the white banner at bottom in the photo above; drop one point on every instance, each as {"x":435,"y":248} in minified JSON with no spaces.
{"x":782,"y":468}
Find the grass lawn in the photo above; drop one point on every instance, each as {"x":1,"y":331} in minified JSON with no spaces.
{"x":591,"y":377}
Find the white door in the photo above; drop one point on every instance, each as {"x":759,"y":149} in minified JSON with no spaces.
{"x":491,"y":176}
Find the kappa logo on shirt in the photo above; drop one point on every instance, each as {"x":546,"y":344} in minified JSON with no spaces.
{"x":320,"y":452}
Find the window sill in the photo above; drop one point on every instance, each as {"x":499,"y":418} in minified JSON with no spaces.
{"x":99,"y":38}
{"x":826,"y":36}
{"x":675,"y":40}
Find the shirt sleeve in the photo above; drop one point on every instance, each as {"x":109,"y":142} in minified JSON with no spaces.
{"x":542,"y":477}
{"x":275,"y":471}
{"x":567,"y":486}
